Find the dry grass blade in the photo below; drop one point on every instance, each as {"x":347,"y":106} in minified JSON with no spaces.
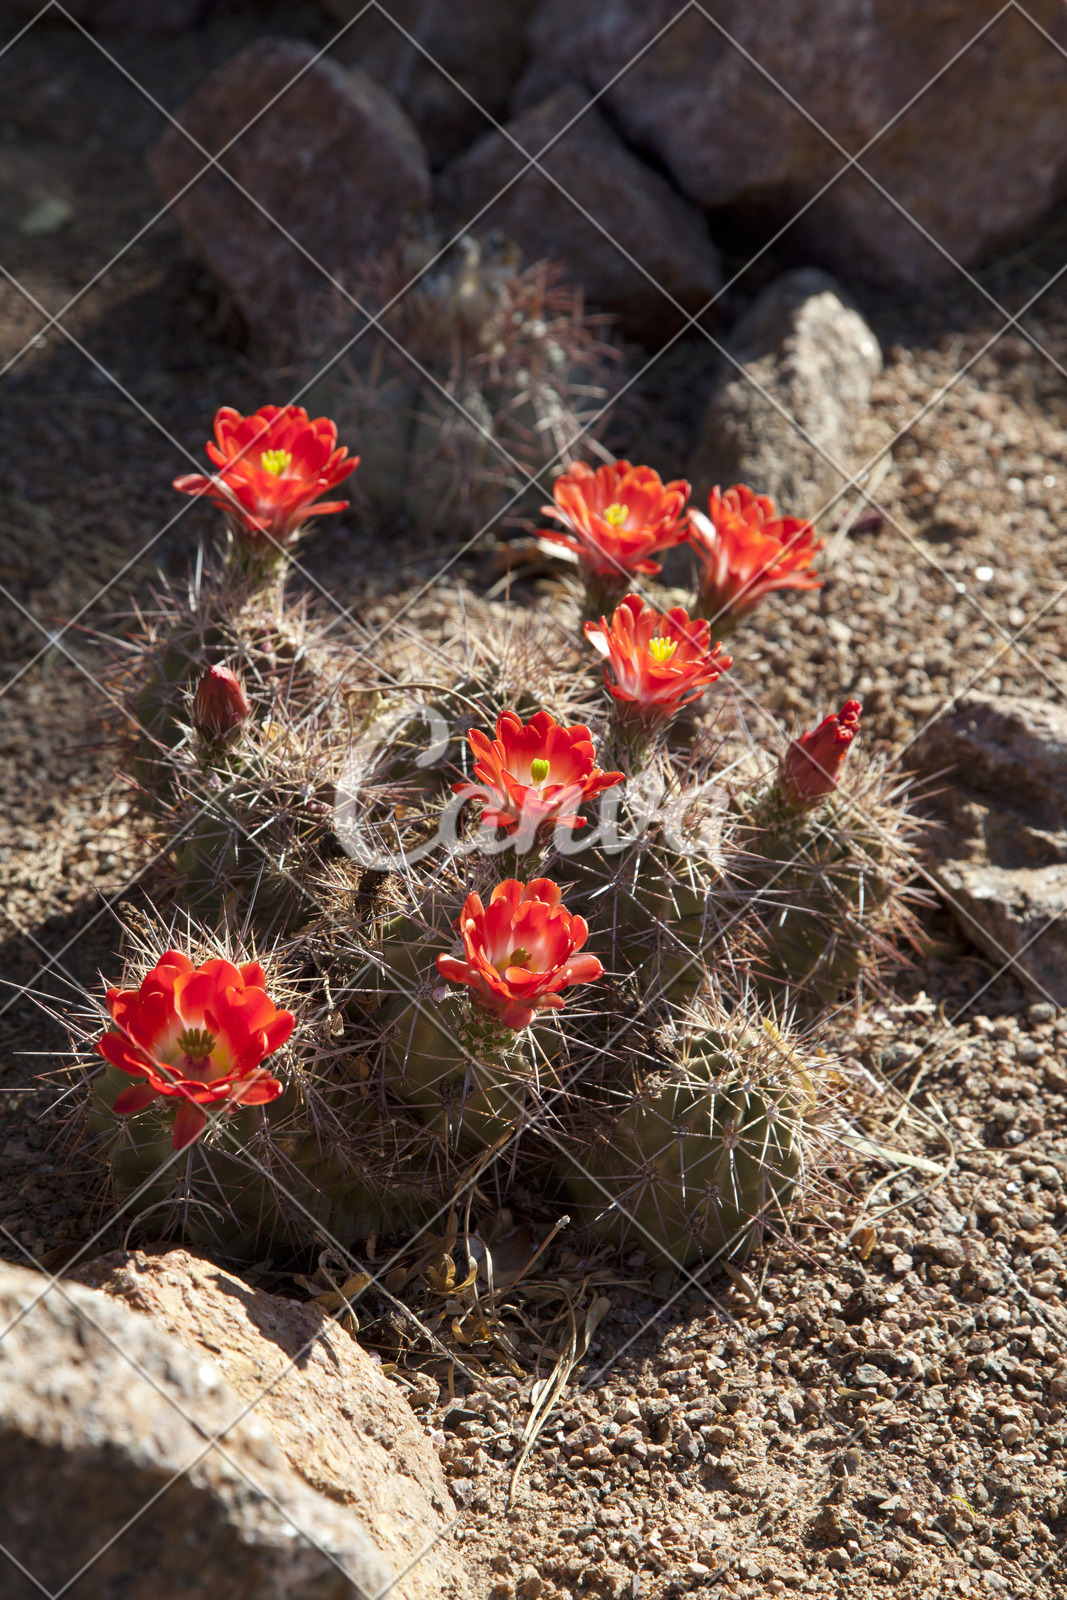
{"x":547,"y":1391}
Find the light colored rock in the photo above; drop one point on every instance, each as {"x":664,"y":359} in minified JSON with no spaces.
{"x":976,"y":159}
{"x":1011,"y":750}
{"x":476,"y":43}
{"x":607,"y":185}
{"x":109,"y":1474}
{"x":1014,"y":913}
{"x":342,"y":1426}
{"x":1000,"y":768}
{"x":804,"y":349}
{"x":335,"y":162}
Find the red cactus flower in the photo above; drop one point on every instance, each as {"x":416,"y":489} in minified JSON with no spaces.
{"x":533,"y":775}
{"x":220,"y":705}
{"x":520,"y":951}
{"x":809,"y":770}
{"x":271,"y":467}
{"x":197,"y":1033}
{"x":659,"y":663}
{"x":747,"y":550}
{"x":618,"y":516}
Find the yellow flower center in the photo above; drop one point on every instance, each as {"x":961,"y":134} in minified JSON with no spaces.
{"x":616,"y":514}
{"x":662,"y":649}
{"x":196,"y":1043}
{"x":518,"y":957}
{"x":276,"y":461}
{"x":539,"y":769}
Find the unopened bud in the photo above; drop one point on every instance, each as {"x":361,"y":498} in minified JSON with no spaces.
{"x":220,"y":705}
{"x":810,"y":767}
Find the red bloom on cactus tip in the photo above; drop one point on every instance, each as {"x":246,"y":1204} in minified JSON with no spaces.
{"x":747,"y":550}
{"x":658,"y":663}
{"x":220,"y":705}
{"x":533,"y":775}
{"x":272,"y":467}
{"x":617,"y":516}
{"x":198,"y":1034}
{"x":809,"y":770}
{"x":520,"y":951}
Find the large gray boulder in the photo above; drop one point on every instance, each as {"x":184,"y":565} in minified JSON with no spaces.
{"x":999,"y":765}
{"x":129,"y":1468}
{"x":473,"y":48}
{"x":330,"y":157}
{"x":788,"y":405}
{"x":736,"y":116}
{"x":610,"y":216}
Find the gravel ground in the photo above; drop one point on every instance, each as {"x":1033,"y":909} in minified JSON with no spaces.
{"x":881,"y":1407}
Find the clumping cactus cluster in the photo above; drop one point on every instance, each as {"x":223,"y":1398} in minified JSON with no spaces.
{"x":540,"y":925}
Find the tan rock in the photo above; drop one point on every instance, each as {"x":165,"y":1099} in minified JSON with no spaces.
{"x":789,"y":408}
{"x":1000,"y":768}
{"x":129,"y":1466}
{"x":328,"y":156}
{"x":342,"y":1426}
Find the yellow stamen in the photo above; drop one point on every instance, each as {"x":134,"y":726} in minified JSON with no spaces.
{"x":539,"y":769}
{"x":518,"y":958}
{"x":616,"y":514}
{"x":662,"y":649}
{"x":196,"y":1043}
{"x":276,"y":461}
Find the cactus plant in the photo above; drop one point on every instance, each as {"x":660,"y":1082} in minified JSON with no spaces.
{"x":826,"y":866}
{"x":483,"y":374}
{"x":702,"y":1154}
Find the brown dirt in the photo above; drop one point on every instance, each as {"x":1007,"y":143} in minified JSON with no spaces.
{"x":887,"y":1424}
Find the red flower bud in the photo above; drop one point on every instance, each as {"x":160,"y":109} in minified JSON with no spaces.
{"x":220,"y":705}
{"x":809,"y":770}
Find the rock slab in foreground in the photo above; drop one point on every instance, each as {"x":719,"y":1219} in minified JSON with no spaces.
{"x":598,"y":181}
{"x":805,"y":350}
{"x":107,"y":1465}
{"x":1000,"y":762}
{"x":334,"y":164}
{"x":736,"y":116}
{"x":341,"y":1424}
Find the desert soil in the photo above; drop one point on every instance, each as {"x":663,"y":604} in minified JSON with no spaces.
{"x":878,"y":1410}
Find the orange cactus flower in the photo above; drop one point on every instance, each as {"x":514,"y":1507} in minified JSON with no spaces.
{"x":533,"y":775}
{"x":198,"y":1034}
{"x":617,"y":517}
{"x":659,"y":663}
{"x":747,"y":551}
{"x":809,"y":770}
{"x":220,"y":705}
{"x":520,"y":951}
{"x":272,"y":465}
